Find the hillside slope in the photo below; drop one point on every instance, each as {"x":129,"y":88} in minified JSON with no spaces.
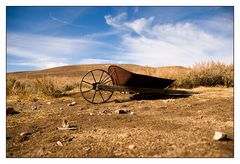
{"x":80,"y":70}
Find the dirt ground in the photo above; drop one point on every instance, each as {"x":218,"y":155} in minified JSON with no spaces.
{"x":165,"y":127}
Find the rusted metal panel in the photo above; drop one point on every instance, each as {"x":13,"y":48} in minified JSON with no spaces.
{"x":123,"y":77}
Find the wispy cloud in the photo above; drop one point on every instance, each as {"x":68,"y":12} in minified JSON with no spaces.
{"x":116,"y":21}
{"x":45,"y":51}
{"x":64,"y":22}
{"x":139,"y":25}
{"x":173,"y":44}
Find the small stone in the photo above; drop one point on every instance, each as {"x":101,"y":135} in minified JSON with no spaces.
{"x":219,"y":136}
{"x":65,"y":124}
{"x":91,"y":114}
{"x":107,"y":112}
{"x":132,"y":113}
{"x":122,"y":111}
{"x":34,"y":107}
{"x":11,"y":110}
{"x":72,"y":103}
{"x":59,"y":143}
{"x":24,"y":134}
{"x":61,"y":108}
{"x":49,"y":103}
{"x":131,"y":146}
{"x":124,"y":135}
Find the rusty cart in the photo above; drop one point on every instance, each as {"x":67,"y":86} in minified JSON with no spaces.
{"x":98,"y":85}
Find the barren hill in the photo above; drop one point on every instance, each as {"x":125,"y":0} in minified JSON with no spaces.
{"x":80,"y":70}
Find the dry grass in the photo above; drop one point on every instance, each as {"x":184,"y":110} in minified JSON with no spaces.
{"x":49,"y":87}
{"x":208,"y":74}
{"x":202,"y":74}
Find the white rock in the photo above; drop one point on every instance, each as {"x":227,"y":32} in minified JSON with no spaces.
{"x":72,"y":103}
{"x":132,"y":113}
{"x":91,"y":114}
{"x":24,"y":134}
{"x":34,"y":107}
{"x":59,"y":143}
{"x":65,"y":124}
{"x":131,"y":146}
{"x":219,"y":136}
{"x":49,"y":103}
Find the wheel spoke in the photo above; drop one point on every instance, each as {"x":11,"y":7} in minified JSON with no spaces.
{"x":94,"y":96}
{"x":101,"y":77}
{"x":93,"y":77}
{"x":101,"y":95}
{"x":86,"y":82}
{"x":87,"y":91}
{"x":105,"y":78}
{"x":107,"y":81}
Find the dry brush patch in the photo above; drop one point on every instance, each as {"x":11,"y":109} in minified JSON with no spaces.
{"x":209,"y":74}
{"x":202,"y":74}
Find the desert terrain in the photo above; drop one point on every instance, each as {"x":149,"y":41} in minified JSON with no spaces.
{"x":125,"y":126}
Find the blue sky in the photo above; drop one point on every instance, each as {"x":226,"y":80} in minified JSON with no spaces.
{"x":45,"y":37}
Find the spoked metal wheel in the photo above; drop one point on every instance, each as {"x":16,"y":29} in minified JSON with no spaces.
{"x":89,"y":86}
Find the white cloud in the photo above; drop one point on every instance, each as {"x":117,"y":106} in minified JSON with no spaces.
{"x":139,"y":25}
{"x":44,"y":51}
{"x":173,"y":44}
{"x":116,"y":21}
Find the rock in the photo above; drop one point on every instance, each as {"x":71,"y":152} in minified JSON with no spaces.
{"x":124,"y":135}
{"x":91,"y":114}
{"x":34,"y":107}
{"x":24,"y":136}
{"x":11,"y":110}
{"x":25,"y":133}
{"x":122,"y":111}
{"x":65,"y":124}
{"x":131,"y":147}
{"x":218,"y":136}
{"x":59,"y":143}
{"x":60,"y":108}
{"x":49,"y":103}
{"x":106,"y":112}
{"x":72,"y":103}
{"x":132,"y":113}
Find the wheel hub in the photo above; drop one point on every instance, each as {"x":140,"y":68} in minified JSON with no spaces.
{"x":95,"y":86}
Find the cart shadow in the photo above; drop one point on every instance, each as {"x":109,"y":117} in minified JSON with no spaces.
{"x":139,"y":97}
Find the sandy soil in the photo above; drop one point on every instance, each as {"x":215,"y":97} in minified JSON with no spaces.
{"x":165,"y":127}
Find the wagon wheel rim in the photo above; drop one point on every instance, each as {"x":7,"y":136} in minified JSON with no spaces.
{"x":89,"y":86}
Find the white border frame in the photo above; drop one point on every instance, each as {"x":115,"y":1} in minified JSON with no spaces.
{"x":4,"y":3}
